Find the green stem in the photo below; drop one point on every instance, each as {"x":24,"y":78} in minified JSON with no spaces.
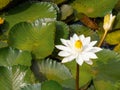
{"x":77,"y":76}
{"x":102,"y":39}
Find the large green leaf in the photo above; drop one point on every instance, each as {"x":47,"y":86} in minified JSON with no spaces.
{"x":10,"y":57}
{"x":113,"y":38}
{"x":81,"y":29}
{"x":4,"y":3}
{"x":32,"y":87}
{"x":85,"y":72}
{"x":14,"y":78}
{"x":51,"y":85}
{"x":107,"y":73}
{"x":37,"y":37}
{"x":117,"y":48}
{"x":30,"y":12}
{"x":104,"y":85}
{"x":117,"y":6}
{"x":62,"y":31}
{"x":117,"y":21}
{"x":66,"y":11}
{"x":56,"y":71}
{"x":94,"y":8}
{"x":55,"y":1}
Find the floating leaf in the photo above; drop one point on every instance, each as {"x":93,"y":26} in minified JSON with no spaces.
{"x":55,"y":1}
{"x":91,"y":88}
{"x":56,"y":71}
{"x":94,"y":8}
{"x":10,"y":57}
{"x":66,"y":10}
{"x":41,"y":10}
{"x":3,"y":44}
{"x":117,"y":22}
{"x":4,"y":3}
{"x":107,"y":70}
{"x":113,"y":38}
{"x":62,"y":31}
{"x":37,"y":37}
{"x":104,"y":85}
{"x":32,"y":87}
{"x":51,"y":85}
{"x":117,"y":6}
{"x":85,"y":72}
{"x":14,"y":78}
{"x":117,"y":48}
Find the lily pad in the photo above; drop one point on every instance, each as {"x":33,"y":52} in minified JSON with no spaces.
{"x":117,"y":48}
{"x":94,"y":8}
{"x":32,"y":87}
{"x":107,"y":70}
{"x":117,"y":22}
{"x":56,"y":71}
{"x":66,"y":11}
{"x":62,"y":31}
{"x":85,"y":72}
{"x":10,"y":56}
{"x":37,"y":37}
{"x":81,"y":29}
{"x":15,"y":77}
{"x":113,"y":38}
{"x":29,"y":12}
{"x":4,"y":3}
{"x":51,"y":85}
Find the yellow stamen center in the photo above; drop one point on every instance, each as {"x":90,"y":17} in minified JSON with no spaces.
{"x":78,"y":44}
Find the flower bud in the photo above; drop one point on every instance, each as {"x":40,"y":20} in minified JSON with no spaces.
{"x":108,"y":22}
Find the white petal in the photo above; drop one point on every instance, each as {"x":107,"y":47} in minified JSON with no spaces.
{"x":61,"y":47}
{"x":86,"y":41}
{"x":79,"y":60}
{"x":91,"y":55}
{"x":92,"y":43}
{"x":65,"y":42}
{"x":82,"y":37}
{"x":68,"y":59}
{"x":85,"y":57}
{"x":95,"y":49}
{"x":64,"y":53}
{"x":89,"y":62}
{"x":72,"y":41}
{"x":75,"y":37}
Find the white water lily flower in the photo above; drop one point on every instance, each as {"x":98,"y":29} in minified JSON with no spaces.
{"x":79,"y":48}
{"x":108,"y":22}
